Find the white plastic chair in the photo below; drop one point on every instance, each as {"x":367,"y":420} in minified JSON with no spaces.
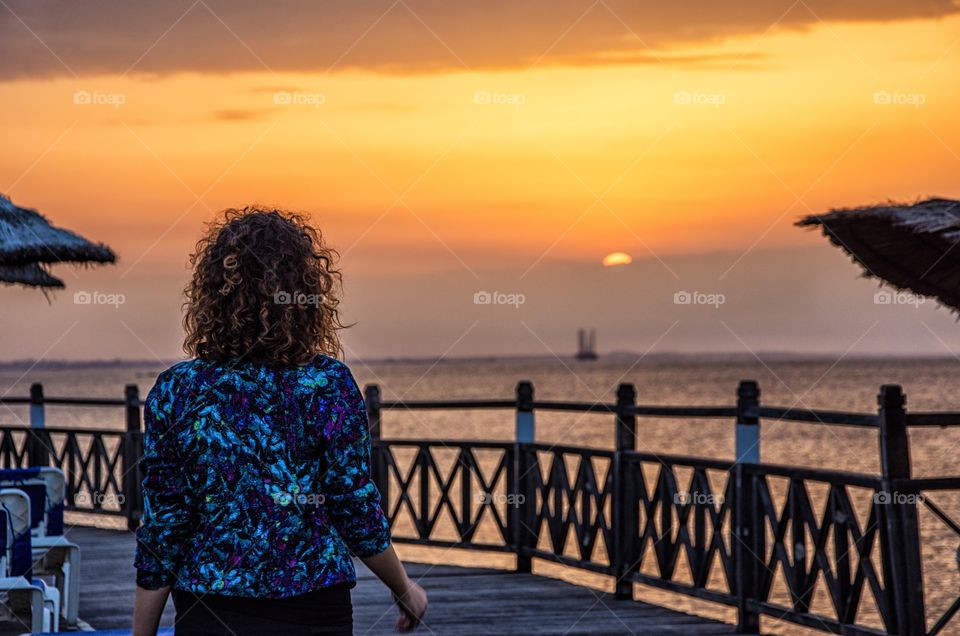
{"x":19,"y":594}
{"x":60,"y":558}
{"x":55,"y":483}
{"x":52,"y":484}
{"x":42,"y":601}
{"x":52,"y":553}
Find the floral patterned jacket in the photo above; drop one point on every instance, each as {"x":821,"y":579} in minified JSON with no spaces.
{"x":257,"y":480}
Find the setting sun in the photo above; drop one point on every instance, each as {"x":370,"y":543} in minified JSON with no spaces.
{"x":617,"y":258}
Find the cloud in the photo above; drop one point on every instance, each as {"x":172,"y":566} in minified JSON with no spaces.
{"x":65,"y":37}
{"x":238,"y":114}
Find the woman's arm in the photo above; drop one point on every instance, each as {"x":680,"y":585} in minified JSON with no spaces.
{"x":350,"y":496}
{"x":147,"y":608}
{"x":353,"y":501}
{"x":166,"y":510}
{"x":410,"y":597}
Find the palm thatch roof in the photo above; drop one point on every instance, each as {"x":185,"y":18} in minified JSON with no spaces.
{"x":27,"y":237}
{"x":915,"y":247}
{"x":31,"y":274}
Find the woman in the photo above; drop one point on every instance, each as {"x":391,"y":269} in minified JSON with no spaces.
{"x":257,"y":486}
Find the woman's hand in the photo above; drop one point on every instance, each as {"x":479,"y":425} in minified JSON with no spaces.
{"x":409,"y":597}
{"x":413,"y":605}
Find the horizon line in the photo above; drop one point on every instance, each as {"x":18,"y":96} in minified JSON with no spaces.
{"x":713,"y":355}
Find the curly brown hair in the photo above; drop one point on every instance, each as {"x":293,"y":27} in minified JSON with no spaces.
{"x":264,"y":290}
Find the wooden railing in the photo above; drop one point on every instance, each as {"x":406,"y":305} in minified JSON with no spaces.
{"x":722,"y":531}
{"x":764,"y":539}
{"x":101,"y":466}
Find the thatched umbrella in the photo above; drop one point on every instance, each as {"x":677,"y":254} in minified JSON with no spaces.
{"x":31,"y":275}
{"x":28,"y":242}
{"x":915,"y":247}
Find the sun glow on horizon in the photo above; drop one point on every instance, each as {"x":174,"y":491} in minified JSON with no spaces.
{"x":615,"y":259}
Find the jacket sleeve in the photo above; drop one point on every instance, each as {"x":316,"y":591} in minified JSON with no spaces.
{"x":350,"y":496}
{"x":166,"y":508}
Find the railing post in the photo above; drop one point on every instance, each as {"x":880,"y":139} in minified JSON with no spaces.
{"x":748,"y":527}
{"x":378,"y":460}
{"x":132,"y":452}
{"x":625,"y":503}
{"x":747,"y":434}
{"x":525,"y":417}
{"x":37,"y":444}
{"x":897,"y":513}
{"x":522,"y":514}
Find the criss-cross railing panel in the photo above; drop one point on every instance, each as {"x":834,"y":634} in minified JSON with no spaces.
{"x":92,"y":463}
{"x":13,"y":447}
{"x":449,"y":493}
{"x":572,"y":496}
{"x":821,"y":547}
{"x":938,"y":502}
{"x":685,"y":509}
{"x":91,"y":460}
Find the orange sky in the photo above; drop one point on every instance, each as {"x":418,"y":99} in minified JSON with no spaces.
{"x":458,"y":156}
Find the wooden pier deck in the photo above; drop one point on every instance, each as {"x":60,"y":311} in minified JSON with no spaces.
{"x":462,"y":600}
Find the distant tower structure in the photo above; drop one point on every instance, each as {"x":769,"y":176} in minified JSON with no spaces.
{"x":586,"y":344}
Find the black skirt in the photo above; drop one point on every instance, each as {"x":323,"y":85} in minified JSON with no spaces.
{"x":326,"y":611}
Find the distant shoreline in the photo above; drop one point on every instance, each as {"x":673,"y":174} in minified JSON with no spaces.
{"x":622,"y":356}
